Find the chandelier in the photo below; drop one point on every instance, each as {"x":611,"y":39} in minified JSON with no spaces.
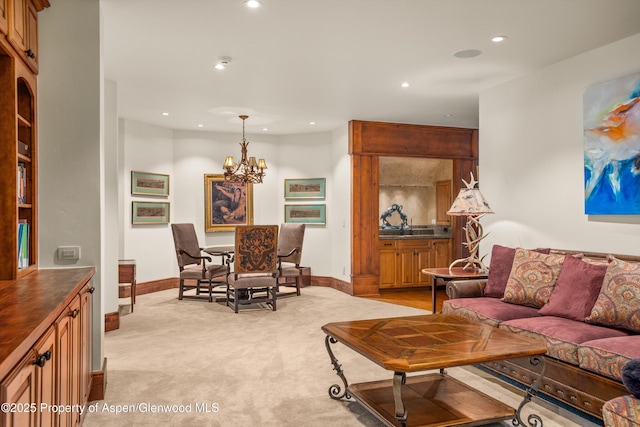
{"x":248,"y":170}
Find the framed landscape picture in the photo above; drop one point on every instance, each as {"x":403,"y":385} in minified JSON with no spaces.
{"x":310,"y":188}
{"x":149,"y":184}
{"x":150,"y":213}
{"x":226,"y":204}
{"x":308,"y":214}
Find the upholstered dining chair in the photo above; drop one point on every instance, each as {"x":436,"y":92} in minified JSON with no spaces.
{"x":289,"y":254}
{"x":195,"y":267}
{"x":255,"y":270}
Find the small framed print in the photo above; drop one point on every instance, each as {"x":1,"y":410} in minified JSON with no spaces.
{"x":149,"y":184}
{"x":307,"y":214}
{"x":310,"y":188}
{"x":150,"y":213}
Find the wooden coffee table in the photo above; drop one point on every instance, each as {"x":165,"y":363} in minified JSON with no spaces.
{"x":430,"y":342}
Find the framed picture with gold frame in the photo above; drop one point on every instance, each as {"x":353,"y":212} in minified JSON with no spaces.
{"x":226,"y":204}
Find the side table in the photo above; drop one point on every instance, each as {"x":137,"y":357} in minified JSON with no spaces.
{"x":446,"y":275}
{"x":127,"y":274}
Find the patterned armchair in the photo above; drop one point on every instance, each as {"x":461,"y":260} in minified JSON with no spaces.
{"x":254,"y":278}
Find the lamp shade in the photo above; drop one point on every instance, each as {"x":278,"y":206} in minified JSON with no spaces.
{"x":470,"y":201}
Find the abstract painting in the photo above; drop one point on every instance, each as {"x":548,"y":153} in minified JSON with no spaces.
{"x":612,"y":147}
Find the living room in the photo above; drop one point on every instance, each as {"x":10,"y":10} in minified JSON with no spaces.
{"x":530,"y":149}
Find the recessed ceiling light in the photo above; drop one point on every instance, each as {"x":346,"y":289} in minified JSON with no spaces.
{"x":447,"y":115}
{"x":405,"y":84}
{"x":165,"y":113}
{"x":312,"y":123}
{"x":222,"y":63}
{"x":468,"y":53}
{"x":265,"y":129}
{"x":498,"y":39}
{"x":253,"y":3}
{"x":200,"y":126}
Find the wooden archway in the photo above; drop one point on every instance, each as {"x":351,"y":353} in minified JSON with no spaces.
{"x":367,"y":142}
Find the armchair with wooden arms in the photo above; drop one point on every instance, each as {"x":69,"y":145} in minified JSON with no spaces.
{"x":289,"y":254}
{"x":254,"y":279}
{"x":195,"y":267}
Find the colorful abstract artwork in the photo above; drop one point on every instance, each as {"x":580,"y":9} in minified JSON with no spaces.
{"x":612,"y":147}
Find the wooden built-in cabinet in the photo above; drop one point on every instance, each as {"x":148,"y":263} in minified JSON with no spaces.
{"x":23,"y":29}
{"x":56,"y":369}
{"x":3,"y":16}
{"x":402,"y":260}
{"x":18,"y":136}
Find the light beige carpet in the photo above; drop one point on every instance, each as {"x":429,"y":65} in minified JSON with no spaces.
{"x":255,"y":368}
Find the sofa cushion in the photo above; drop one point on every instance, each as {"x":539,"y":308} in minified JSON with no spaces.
{"x":607,"y":356}
{"x":576,"y":290}
{"x":562,"y":336}
{"x":622,"y":411}
{"x":500,"y":268}
{"x":533,"y":277}
{"x":617,"y":304}
{"x":490,"y":311}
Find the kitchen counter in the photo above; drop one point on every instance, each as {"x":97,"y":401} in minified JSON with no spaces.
{"x":414,"y":236}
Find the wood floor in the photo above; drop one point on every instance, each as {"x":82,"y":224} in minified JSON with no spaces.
{"x":417,"y":298}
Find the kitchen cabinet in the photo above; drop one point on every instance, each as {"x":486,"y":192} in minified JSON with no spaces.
{"x":401,"y":261}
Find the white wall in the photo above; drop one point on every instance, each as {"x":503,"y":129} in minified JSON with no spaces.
{"x":70,"y":148}
{"x":188,"y":155}
{"x":340,"y":210}
{"x":147,"y":149}
{"x":531,"y":157}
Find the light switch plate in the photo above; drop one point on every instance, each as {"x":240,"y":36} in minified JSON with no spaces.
{"x":69,"y":252}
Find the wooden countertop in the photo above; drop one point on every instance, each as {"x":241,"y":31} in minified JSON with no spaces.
{"x":29,"y":305}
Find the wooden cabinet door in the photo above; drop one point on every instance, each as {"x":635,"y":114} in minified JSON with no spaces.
{"x":45,"y":362}
{"x":31,"y":46}
{"x":424,"y":260}
{"x":4,"y":18}
{"x":85,"y":346}
{"x":441,"y":253}
{"x":407,"y":267}
{"x":388,"y":268}
{"x":68,"y":335}
{"x":443,"y":202}
{"x":19,"y":389}
{"x":18,"y":25}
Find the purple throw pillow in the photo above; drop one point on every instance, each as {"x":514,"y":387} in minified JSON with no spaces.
{"x":500,"y":269}
{"x":576,"y":290}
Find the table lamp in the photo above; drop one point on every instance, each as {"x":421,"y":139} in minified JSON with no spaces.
{"x":471,"y":203}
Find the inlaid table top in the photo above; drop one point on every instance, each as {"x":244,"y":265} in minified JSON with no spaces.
{"x":433,"y":341}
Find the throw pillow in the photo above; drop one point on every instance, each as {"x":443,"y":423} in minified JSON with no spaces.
{"x":500,"y":269}
{"x":532,"y":278}
{"x":631,"y":377}
{"x":617,"y":304}
{"x":576,"y":290}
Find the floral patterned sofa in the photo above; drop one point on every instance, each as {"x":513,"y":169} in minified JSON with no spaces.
{"x":584,"y":306}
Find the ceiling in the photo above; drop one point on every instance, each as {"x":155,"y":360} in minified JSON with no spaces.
{"x":299,"y":61}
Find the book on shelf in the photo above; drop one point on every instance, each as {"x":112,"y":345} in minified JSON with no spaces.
{"x":22,"y":183}
{"x":23,"y":244}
